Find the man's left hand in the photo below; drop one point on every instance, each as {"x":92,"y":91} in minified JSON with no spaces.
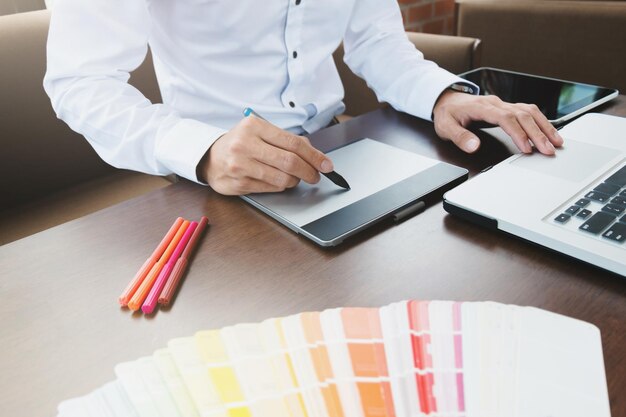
{"x":525,"y":123}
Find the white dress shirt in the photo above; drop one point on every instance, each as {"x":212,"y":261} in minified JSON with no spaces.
{"x":212,"y":59}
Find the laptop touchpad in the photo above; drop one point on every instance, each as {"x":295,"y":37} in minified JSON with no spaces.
{"x":574,"y":161}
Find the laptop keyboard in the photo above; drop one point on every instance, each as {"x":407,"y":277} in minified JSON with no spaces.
{"x":599,"y":211}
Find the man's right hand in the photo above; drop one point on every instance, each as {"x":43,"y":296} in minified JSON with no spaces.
{"x":256,"y":156}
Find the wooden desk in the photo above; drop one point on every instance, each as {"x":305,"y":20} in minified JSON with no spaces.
{"x":62,"y":330}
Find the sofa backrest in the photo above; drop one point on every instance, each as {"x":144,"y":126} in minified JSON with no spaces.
{"x":581,"y":41}
{"x":40,"y":154}
{"x":19,"y":6}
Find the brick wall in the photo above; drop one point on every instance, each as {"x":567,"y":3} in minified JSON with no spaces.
{"x":430,"y":16}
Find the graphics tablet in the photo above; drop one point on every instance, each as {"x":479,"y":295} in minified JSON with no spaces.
{"x":385,"y":181}
{"x":558,"y":100}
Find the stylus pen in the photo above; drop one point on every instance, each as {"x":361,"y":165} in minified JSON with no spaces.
{"x":332,"y":175}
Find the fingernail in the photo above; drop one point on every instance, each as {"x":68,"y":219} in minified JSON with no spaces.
{"x":550,"y":146}
{"x":327,"y":165}
{"x":471,"y":145}
{"x":559,"y":137}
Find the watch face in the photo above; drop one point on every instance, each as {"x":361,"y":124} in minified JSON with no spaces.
{"x":462,"y":88}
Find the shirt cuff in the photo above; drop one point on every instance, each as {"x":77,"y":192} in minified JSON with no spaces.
{"x":185,"y":144}
{"x":432,"y":86}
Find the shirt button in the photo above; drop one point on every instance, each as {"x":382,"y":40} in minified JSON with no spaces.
{"x":295,"y":54}
{"x":298,"y":2}
{"x":292,"y":104}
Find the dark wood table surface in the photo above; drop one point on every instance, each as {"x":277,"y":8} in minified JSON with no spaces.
{"x":62,"y":330}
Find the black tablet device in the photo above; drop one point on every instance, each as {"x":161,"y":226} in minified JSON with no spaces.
{"x":559,"y":100}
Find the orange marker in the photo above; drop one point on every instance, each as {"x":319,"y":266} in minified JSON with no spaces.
{"x":146,"y":285}
{"x":149,"y":264}
{"x":181,"y":264}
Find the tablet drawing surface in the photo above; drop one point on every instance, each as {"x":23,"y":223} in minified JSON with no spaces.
{"x":386,"y":181}
{"x":369,"y":166}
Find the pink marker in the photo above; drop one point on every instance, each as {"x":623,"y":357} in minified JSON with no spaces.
{"x":151,"y":301}
{"x":458,"y":354}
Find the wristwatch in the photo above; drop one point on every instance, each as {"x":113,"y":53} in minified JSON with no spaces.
{"x":462,"y":88}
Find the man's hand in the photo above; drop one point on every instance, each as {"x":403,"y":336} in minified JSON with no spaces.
{"x":454,"y":111}
{"x":256,"y":156}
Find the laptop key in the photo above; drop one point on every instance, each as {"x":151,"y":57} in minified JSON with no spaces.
{"x":572,"y":210}
{"x":606,"y":188}
{"x":598,"y":222}
{"x":584,"y":213}
{"x":613,"y":209}
{"x":623,"y":219}
{"x":619,"y":178}
{"x":583,"y":202}
{"x":622,"y":194}
{"x":562,"y":218}
{"x":617,"y":232}
{"x":619,"y":200}
{"x":597,"y":196}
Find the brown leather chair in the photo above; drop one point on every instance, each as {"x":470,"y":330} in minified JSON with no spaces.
{"x":582,"y":41}
{"x":20,"y":6}
{"x":48,"y":173}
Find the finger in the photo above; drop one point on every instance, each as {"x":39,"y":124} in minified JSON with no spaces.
{"x":288,"y":163}
{"x":242,"y":186}
{"x":451,"y":129}
{"x":264,"y":155}
{"x":536,"y":135}
{"x":298,"y":145}
{"x":507,"y":120}
{"x":544,"y":124}
{"x":494,"y":111}
{"x":270,"y":175}
{"x":241,"y":162}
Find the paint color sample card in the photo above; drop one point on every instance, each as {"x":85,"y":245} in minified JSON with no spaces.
{"x":410,"y":358}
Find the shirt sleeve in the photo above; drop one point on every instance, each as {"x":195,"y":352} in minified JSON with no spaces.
{"x":378,"y":50}
{"x":92,"y":47}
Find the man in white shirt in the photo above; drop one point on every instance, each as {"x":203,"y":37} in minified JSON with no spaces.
{"x":213,"y":58}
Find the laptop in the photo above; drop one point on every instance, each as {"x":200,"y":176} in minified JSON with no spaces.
{"x":573,"y":202}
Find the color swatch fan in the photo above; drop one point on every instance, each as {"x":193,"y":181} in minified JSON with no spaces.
{"x":411,"y":358}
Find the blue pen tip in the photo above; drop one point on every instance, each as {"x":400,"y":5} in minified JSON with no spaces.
{"x":247,"y":111}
